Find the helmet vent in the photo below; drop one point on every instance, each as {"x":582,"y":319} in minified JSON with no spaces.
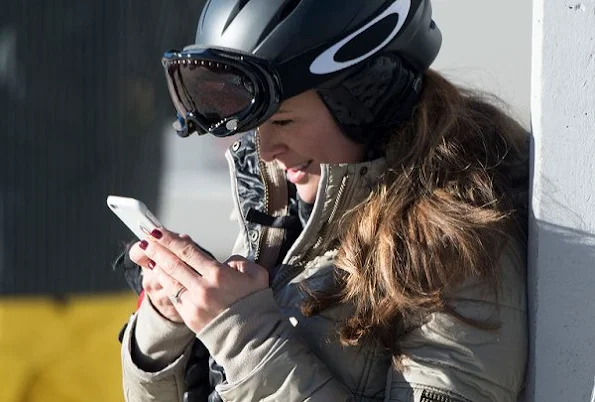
{"x":285,"y":11}
{"x":234,"y":12}
{"x":288,"y":9}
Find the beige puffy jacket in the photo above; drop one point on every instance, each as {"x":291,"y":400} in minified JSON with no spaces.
{"x":271,"y":352}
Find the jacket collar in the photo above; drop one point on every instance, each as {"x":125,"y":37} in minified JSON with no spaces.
{"x":341,"y":188}
{"x":262,"y":186}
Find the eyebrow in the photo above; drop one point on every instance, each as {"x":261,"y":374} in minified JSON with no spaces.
{"x":282,"y":111}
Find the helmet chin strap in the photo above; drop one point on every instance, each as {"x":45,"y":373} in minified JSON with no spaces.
{"x":377,"y":98}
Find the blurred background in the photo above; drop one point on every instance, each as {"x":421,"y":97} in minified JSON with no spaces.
{"x":84,"y":113}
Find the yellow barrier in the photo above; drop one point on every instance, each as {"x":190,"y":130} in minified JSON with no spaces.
{"x":53,"y":351}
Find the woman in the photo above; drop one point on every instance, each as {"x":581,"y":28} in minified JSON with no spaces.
{"x":381,"y":209}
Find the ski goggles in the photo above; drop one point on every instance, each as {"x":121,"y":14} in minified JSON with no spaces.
{"x":219,"y":92}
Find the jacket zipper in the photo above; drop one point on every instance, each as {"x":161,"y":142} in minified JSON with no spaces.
{"x":294,"y":270}
{"x":265,"y":181}
{"x":431,"y":396}
{"x":322,"y":234}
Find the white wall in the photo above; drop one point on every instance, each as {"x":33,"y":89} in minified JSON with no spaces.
{"x":562,"y":253}
{"x":487,"y":45}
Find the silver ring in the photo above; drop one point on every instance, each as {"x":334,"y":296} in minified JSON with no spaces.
{"x":175,"y":299}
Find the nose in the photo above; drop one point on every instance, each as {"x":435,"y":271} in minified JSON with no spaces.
{"x":270,"y":144}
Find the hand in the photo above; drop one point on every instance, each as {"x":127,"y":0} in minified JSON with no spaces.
{"x":158,"y":296}
{"x":207,"y":286}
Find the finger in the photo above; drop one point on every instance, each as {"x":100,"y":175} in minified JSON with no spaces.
{"x":160,"y":299}
{"x":187,"y":251}
{"x":171,"y":264}
{"x":236,"y":262}
{"x":170,"y":285}
{"x":243,"y":265}
{"x":150,"y":282}
{"x":138,"y":256}
{"x":235,"y":258}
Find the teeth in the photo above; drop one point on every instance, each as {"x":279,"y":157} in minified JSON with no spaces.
{"x":302,"y":166}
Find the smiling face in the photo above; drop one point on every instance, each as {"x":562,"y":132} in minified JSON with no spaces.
{"x":301,"y":136}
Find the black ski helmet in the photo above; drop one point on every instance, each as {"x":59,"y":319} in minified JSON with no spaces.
{"x":299,"y":45}
{"x":323,"y":36}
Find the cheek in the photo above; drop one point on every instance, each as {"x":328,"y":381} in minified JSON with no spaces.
{"x":321,"y":139}
{"x":336,"y":148}
{"x":308,"y":142}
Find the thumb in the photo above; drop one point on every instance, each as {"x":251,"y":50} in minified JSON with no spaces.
{"x":247,"y":267}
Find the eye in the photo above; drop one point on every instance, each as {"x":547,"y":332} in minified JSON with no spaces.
{"x":282,"y":123}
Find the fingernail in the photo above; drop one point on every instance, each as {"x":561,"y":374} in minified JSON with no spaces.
{"x":151,"y":264}
{"x":156,"y":233}
{"x":144,"y":244}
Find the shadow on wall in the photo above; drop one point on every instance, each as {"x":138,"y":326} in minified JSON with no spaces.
{"x":562,"y":320}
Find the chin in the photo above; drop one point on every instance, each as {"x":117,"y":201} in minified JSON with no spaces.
{"x":307,"y":192}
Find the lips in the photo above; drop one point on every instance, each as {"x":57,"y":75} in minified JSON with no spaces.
{"x":297,"y":174}
{"x":303,"y":166}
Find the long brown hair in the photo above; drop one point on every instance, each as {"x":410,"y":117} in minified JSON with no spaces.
{"x":454,"y":190}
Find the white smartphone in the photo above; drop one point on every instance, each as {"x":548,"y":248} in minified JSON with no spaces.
{"x":134,"y":214}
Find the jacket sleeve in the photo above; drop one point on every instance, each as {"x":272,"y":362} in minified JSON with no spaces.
{"x":264,"y":358}
{"x":159,"y":361}
{"x":446,"y":359}
{"x":166,"y":384}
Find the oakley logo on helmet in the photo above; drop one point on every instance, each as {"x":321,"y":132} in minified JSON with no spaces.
{"x":325,"y":63}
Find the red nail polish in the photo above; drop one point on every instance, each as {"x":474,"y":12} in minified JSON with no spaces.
{"x":156,"y":233}
{"x":151,"y":264}
{"x":144,"y":244}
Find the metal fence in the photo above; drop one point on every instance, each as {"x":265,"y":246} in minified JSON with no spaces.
{"x":82,"y":106}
